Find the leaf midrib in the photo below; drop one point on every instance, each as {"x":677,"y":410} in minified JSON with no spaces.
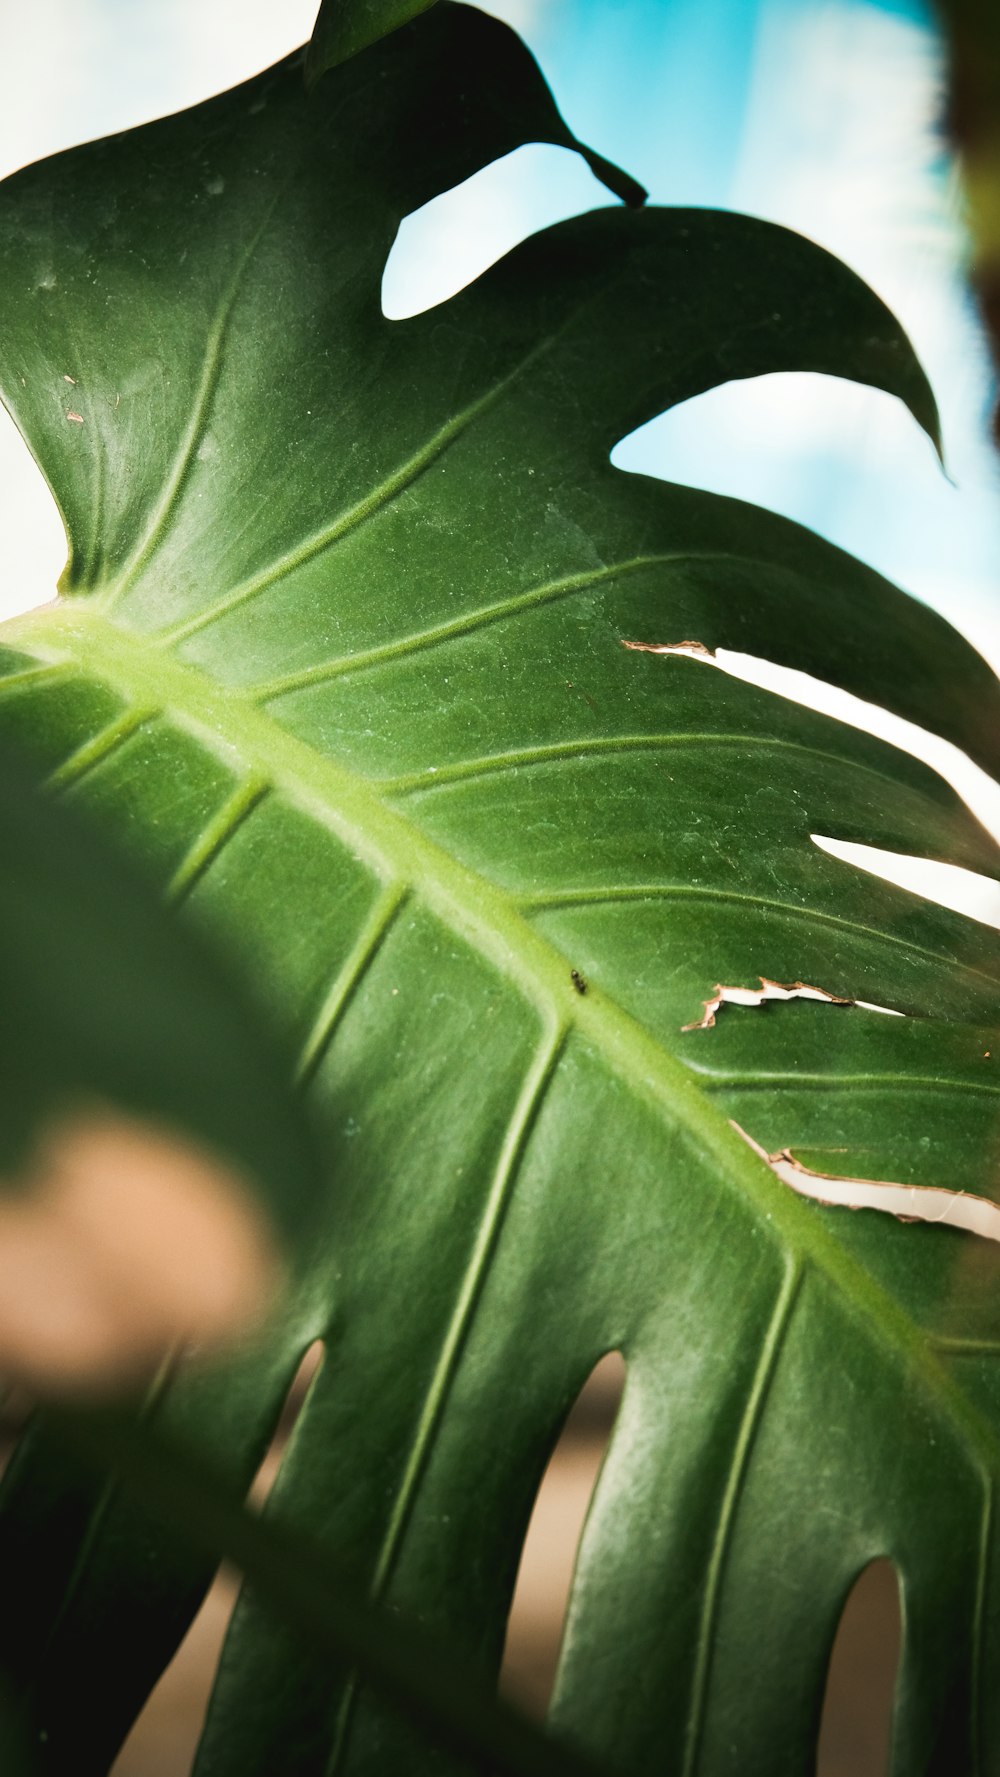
{"x":487,"y":917}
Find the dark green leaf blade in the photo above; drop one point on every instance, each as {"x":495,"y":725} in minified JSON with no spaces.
{"x":315,"y":1602}
{"x":467,"y":94}
{"x":387,"y":570}
{"x":344,"y":27}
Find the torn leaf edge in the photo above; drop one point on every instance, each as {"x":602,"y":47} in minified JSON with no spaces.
{"x":723,"y":995}
{"x":907,"y":1203}
{"x":692,"y":650}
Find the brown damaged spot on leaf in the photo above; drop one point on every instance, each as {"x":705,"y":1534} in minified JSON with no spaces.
{"x":775,"y":990}
{"x":122,"y":1242}
{"x":692,"y":650}
{"x":907,"y":1203}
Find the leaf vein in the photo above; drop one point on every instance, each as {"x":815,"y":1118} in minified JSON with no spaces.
{"x":606,"y":746}
{"x":949,"y":1347}
{"x":753,"y":1412}
{"x":100,"y":746}
{"x":373,"y":933}
{"x":525,"y":1115}
{"x":380,"y":497}
{"x":555,"y":900}
{"x":194,"y":432}
{"x":980,"y":1617}
{"x":548,"y":592}
{"x":792,"y":1080}
{"x":214,"y":837}
{"x":25,"y":680}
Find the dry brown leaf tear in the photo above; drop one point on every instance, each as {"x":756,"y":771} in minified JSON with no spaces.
{"x":908,"y":1203}
{"x":723,"y":995}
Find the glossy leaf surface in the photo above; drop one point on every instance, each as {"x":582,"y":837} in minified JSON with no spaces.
{"x":342,"y":642}
{"x":344,"y":27}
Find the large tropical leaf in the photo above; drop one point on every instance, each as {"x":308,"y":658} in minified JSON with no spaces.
{"x":341,"y":654}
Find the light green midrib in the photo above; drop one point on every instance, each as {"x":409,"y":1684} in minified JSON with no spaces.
{"x":488,"y":918}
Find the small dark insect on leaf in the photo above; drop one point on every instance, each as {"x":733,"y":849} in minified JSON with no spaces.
{"x":578,"y":980}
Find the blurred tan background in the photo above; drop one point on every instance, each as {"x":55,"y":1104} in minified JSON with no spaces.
{"x":854,"y":1740}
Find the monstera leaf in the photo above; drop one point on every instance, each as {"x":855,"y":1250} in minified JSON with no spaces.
{"x":341,"y":654}
{"x":346,"y":26}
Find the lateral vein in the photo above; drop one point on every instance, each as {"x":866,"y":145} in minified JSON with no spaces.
{"x":519,"y":1128}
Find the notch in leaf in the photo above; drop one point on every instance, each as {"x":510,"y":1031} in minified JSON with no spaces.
{"x":523,"y":104}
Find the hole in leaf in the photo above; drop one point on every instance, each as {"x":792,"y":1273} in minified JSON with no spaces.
{"x":910,"y":1203}
{"x":947,"y":885}
{"x":164,"y":1737}
{"x":975,"y":786}
{"x":799,"y":443}
{"x":295,"y":1400}
{"x":743,"y":438}
{"x":856,"y":1727}
{"x":452,"y":239}
{"x":769,"y":991}
{"x":541,"y":1597}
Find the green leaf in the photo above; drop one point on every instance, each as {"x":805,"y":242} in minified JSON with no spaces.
{"x":512,"y":107}
{"x":331,"y":1616}
{"x":346,"y":26}
{"x":382,"y":573}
